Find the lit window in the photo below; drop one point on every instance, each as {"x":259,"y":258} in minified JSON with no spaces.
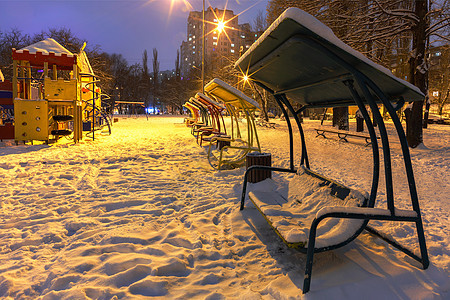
{"x":256,"y":35}
{"x":190,"y":39}
{"x":436,"y":94}
{"x":232,"y":50}
{"x":438,"y":53}
{"x":193,"y":47}
{"x":214,"y":37}
{"x":214,"y":43}
{"x":246,"y":46}
{"x":232,"y":45}
{"x":193,"y":52}
{"x":193,"y":26}
{"x":215,"y":20}
{"x":243,"y":36}
{"x":194,"y":36}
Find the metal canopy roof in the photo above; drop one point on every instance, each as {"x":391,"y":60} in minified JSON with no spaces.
{"x":211,"y":101}
{"x":301,"y":57}
{"x":230,"y":95}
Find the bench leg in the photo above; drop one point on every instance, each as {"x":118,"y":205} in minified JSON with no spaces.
{"x":368,"y":142}
{"x":310,"y":257}
{"x":321,"y":134}
{"x":342,"y":137}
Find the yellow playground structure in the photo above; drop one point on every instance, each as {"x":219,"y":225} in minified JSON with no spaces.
{"x":55,"y":93}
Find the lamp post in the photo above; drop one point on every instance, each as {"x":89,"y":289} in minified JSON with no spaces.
{"x":203,"y":48}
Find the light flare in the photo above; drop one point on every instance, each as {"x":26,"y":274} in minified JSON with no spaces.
{"x":186,"y":3}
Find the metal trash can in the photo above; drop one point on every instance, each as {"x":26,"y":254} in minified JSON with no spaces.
{"x":260,"y":159}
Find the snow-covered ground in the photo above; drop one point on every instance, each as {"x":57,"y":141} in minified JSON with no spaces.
{"x":141,"y":213}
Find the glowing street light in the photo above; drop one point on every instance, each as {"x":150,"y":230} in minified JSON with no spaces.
{"x":220,"y":26}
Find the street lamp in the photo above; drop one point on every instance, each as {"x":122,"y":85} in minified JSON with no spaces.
{"x":203,"y":48}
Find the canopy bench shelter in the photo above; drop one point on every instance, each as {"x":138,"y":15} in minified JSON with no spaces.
{"x":195,"y":114}
{"x":235,"y":101}
{"x":190,"y":120}
{"x":300,"y":60}
{"x":205,"y":121}
{"x":218,"y":123}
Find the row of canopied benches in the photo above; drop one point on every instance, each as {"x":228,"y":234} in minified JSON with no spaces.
{"x":228,"y":141}
{"x":300,"y":61}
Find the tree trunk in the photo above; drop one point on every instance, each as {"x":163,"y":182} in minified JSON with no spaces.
{"x":340,"y":117}
{"x":427,"y":111}
{"x":263,"y":102}
{"x":418,"y":75}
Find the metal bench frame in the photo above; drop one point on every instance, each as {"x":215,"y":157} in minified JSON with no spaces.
{"x":342,"y":134}
{"x":371,"y":95}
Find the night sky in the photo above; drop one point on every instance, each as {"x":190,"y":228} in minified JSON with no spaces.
{"x":127,"y":27}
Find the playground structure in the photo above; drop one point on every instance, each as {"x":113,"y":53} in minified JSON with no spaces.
{"x":299,"y":60}
{"x":94,"y":116}
{"x":6,"y":111}
{"x":55,"y":95}
{"x":239,"y":143}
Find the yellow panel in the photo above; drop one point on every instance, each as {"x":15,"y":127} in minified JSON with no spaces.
{"x":31,"y":120}
{"x":60,"y":89}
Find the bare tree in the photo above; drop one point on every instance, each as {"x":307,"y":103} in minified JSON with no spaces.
{"x":8,"y":40}
{"x":155,"y":64}
{"x":145,"y":79}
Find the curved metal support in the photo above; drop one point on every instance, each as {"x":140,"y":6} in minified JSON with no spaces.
{"x":288,"y":122}
{"x":256,"y":167}
{"x":304,"y":159}
{"x":384,"y":140}
{"x":278,"y":98}
{"x":373,"y":138}
{"x":409,"y":172}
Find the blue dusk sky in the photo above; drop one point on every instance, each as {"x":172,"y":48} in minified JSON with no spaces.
{"x":127,"y":27}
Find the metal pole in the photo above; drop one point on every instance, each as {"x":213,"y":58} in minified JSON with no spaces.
{"x":203,"y":48}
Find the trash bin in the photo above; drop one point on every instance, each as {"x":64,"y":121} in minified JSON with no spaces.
{"x":258,"y":159}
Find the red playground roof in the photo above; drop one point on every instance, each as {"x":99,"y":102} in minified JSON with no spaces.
{"x":46,"y":51}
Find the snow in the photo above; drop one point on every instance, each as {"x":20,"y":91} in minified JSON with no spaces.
{"x":47,"y":46}
{"x":292,"y":214}
{"x":212,"y":85}
{"x":141,"y":214}
{"x":215,"y":103}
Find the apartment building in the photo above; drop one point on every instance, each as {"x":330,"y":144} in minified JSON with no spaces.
{"x":221,"y":47}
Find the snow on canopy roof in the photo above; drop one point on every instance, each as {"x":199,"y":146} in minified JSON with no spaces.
{"x":229,"y":94}
{"x":46,"y":46}
{"x":307,"y":24}
{"x":197,"y":103}
{"x":215,"y":103}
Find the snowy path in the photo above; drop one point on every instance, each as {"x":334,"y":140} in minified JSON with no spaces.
{"x":141,"y":213}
